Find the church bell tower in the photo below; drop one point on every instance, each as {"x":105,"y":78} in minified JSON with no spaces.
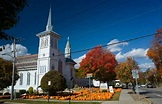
{"x":47,"y":50}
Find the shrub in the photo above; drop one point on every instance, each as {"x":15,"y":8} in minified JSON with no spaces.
{"x":22,"y":91}
{"x":30,"y":90}
{"x":18,"y":95}
{"x":58,"y":82}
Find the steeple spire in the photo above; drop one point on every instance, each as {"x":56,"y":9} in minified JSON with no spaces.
{"x":49,"y":26}
{"x":68,"y":49}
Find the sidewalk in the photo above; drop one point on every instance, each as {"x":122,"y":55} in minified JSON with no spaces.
{"x":126,"y":98}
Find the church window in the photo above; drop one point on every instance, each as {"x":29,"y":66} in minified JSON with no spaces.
{"x":71,"y":72}
{"x":21,"y":78}
{"x":60,"y":66}
{"x":52,"y":42}
{"x":35,"y":78}
{"x":42,"y":42}
{"x":52,"y":67}
{"x":42,"y":69}
{"x":28,"y":78}
{"x":46,"y":42}
{"x":55,"y":44}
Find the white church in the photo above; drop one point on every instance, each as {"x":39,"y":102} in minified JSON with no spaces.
{"x":31,"y":68}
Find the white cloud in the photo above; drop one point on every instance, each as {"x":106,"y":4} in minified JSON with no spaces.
{"x":145,"y":66}
{"x":20,"y":51}
{"x":139,"y":52}
{"x":115,"y":47}
{"x":78,"y":60}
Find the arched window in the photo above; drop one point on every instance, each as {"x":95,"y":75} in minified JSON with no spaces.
{"x":28,"y":78}
{"x":55,"y":43}
{"x":35,"y":78}
{"x":42,"y":42}
{"x":21,"y":78}
{"x":60,"y":66}
{"x":46,"y":42}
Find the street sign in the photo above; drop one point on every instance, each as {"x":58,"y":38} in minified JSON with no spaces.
{"x":135,"y":74}
{"x":89,"y":75}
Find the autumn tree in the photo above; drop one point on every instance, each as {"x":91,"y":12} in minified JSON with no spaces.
{"x":124,"y":70}
{"x":9,"y":10}
{"x":6,"y":74}
{"x":155,"y":51}
{"x":153,"y":76}
{"x":79,"y":73}
{"x":101,"y":63}
{"x":142,"y":77}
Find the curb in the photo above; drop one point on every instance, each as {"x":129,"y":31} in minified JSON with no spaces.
{"x":150,"y":102}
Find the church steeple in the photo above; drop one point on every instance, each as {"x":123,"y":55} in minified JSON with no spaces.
{"x":49,"y":26}
{"x":68,"y":49}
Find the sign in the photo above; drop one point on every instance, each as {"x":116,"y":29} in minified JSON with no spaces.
{"x":135,"y":74}
{"x":103,"y":86}
{"x":49,"y":83}
{"x":111,"y":89}
{"x":89,"y":75}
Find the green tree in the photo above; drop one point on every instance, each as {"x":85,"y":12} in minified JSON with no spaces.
{"x":79,"y":73}
{"x":101,"y":63}
{"x":58,"y":82}
{"x":124,"y":70}
{"x":6,"y":73}
{"x":9,"y":10}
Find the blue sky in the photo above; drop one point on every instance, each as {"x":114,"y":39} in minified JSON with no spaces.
{"x":89,"y":23}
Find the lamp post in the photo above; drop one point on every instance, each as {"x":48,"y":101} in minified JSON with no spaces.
{"x":49,"y":83}
{"x":89,"y":76}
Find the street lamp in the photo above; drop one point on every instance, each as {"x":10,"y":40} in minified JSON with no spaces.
{"x":49,"y":83}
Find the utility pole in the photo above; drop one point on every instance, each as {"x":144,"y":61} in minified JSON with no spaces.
{"x":13,"y":62}
{"x":13,"y":70}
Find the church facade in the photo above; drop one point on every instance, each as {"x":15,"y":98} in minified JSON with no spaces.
{"x":31,"y":68}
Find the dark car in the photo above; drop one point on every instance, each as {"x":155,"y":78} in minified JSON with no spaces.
{"x":150,"y":85}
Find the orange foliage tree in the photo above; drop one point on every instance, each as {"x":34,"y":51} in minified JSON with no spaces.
{"x":153,"y":76}
{"x":101,"y":63}
{"x":124,"y":70}
{"x":155,"y":51}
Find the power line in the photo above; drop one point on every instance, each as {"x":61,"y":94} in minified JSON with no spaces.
{"x":128,"y":40}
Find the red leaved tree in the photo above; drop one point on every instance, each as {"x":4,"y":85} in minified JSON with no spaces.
{"x":101,"y":63}
{"x":155,"y":51}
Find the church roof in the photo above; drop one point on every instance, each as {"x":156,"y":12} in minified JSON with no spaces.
{"x":49,"y":28}
{"x":69,"y":60}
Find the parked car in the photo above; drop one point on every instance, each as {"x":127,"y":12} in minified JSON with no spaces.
{"x":143,"y":85}
{"x":151,"y":85}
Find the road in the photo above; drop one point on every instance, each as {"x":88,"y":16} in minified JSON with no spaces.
{"x":154,"y":94}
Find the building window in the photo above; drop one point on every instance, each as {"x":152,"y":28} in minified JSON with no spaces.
{"x":46,"y":42}
{"x":51,"y":42}
{"x":71,"y":72}
{"x":42,"y":69}
{"x":35,"y":78}
{"x":21,"y":78}
{"x":42,"y":42}
{"x":60,"y":66}
{"x":28,"y":78}
{"x":55,"y":43}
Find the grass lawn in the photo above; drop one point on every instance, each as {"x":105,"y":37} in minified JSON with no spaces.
{"x":45,"y":102}
{"x":115,"y":97}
